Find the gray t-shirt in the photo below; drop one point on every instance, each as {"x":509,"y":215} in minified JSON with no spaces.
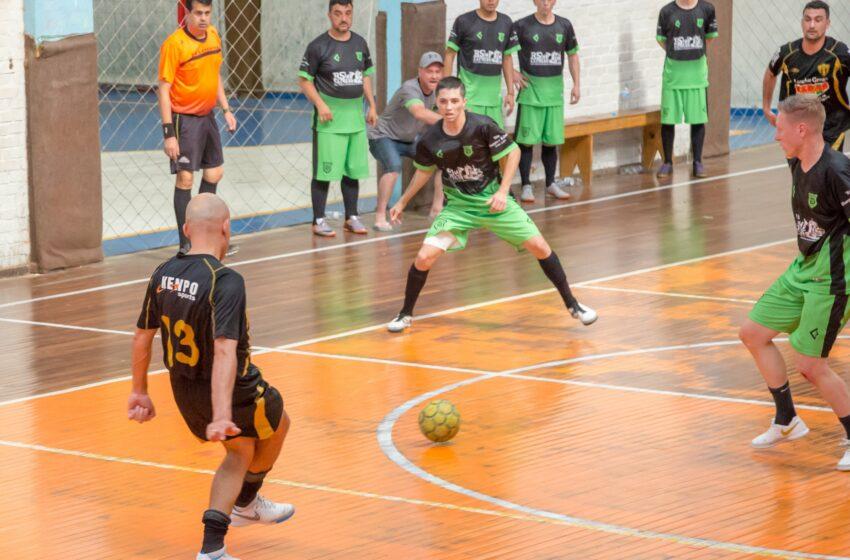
{"x":396,"y":122}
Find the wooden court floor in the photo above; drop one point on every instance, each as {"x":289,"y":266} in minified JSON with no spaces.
{"x":626,"y":439}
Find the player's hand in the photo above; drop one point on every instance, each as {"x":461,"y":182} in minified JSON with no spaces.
{"x":436,"y":208}
{"x":520,"y":81}
{"x":510,"y":103}
{"x":372,"y":117}
{"x":325,"y":113}
{"x":575,"y":95}
{"x":140,"y":407}
{"x":230,"y":119}
{"x":771,"y":117}
{"x":172,"y":148}
{"x":396,"y":212}
{"x":219,"y":430}
{"x":498,"y":202}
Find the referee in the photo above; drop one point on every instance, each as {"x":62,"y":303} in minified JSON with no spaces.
{"x":334,"y":75}
{"x":816,"y":64}
{"x":189,"y":87}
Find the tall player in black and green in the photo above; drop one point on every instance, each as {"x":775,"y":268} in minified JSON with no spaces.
{"x":484,"y":43}
{"x":334,"y":75}
{"x":544,"y":40}
{"x":466,"y":147}
{"x":809,"y":301}
{"x":815,"y":64}
{"x":685,"y":27}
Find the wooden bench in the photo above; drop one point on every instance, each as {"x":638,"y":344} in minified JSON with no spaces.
{"x":578,"y":132}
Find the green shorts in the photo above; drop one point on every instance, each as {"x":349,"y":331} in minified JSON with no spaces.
{"x":812,"y":319}
{"x":465,"y":213}
{"x":540,"y":125}
{"x":690,"y":104}
{"x":337,"y":155}
{"x":494,"y":112}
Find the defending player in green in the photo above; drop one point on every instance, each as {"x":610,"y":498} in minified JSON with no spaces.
{"x":466,"y":147}
{"x":809,"y":300}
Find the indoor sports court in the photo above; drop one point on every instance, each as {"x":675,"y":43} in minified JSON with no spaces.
{"x":625,"y":439}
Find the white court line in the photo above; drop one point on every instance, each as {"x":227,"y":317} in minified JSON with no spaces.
{"x":62,"y":326}
{"x":669,"y":294}
{"x":405,"y":234}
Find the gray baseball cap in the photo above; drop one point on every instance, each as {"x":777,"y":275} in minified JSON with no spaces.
{"x":430,"y":58}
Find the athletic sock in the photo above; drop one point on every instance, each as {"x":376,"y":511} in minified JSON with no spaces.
{"x":697,"y":140}
{"x":549,"y":157}
{"x":319,"y":194}
{"x":526,"y":155}
{"x":181,"y":201}
{"x":668,"y":137}
{"x":845,"y":421}
{"x":207,"y":187}
{"x":250,"y":486}
{"x":784,"y":404}
{"x":415,"y":282}
{"x":350,"y":192}
{"x":551,"y":266}
{"x":215,"y":528}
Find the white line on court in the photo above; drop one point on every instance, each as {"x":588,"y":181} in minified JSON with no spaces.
{"x":669,"y":294}
{"x":405,"y":234}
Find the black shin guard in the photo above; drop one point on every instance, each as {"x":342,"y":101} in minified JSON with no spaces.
{"x":784,"y":404}
{"x":549,"y":157}
{"x":697,"y":140}
{"x":415,"y":282}
{"x":668,"y":137}
{"x":551,"y":266}
{"x":215,"y":528}
{"x":250,"y":487}
{"x":526,"y":155}
{"x":207,"y":187}
{"x":350,"y":193}
{"x":319,"y":194}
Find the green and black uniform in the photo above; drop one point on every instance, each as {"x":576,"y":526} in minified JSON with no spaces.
{"x":193,"y":300}
{"x":481,"y":46}
{"x":825,"y":74}
{"x":685,"y":80}
{"x":338,"y":69}
{"x":543,"y":48}
{"x":809,"y":300}
{"x":471,"y":176}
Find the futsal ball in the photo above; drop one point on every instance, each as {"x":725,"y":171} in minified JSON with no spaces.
{"x":439,"y":421}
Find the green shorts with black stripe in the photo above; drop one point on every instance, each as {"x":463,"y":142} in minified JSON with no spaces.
{"x":494,"y":112}
{"x":690,"y":105}
{"x":336,"y":155}
{"x":812,"y":317}
{"x":540,"y":125}
{"x":465,"y":213}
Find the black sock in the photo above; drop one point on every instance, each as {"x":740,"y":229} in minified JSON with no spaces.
{"x":526,"y":154}
{"x":319,"y":193}
{"x":215,"y":528}
{"x":549,"y":157}
{"x":845,"y":421}
{"x":551,"y":266}
{"x":784,"y":404}
{"x":697,"y":140}
{"x":668,"y":136}
{"x":415,"y":282}
{"x":181,"y":201}
{"x":350,"y":192}
{"x":250,"y":487}
{"x":208,"y":187}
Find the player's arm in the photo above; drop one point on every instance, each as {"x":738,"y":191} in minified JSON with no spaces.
{"x":169,"y":61}
{"x":419,"y":180}
{"x":449,"y":60}
{"x":452,"y":47}
{"x":223,"y":379}
{"x":508,"y":72}
{"x":224,"y":103}
{"x":420,"y":113}
{"x":306,"y":75}
{"x":140,"y":406}
{"x":575,"y":74}
{"x":768,"y":86}
{"x":661,"y":31}
{"x":499,"y":201}
{"x":372,"y":115}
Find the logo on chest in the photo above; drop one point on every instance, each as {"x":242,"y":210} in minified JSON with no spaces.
{"x":467,"y":151}
{"x":813,"y":200}
{"x":823,"y":69}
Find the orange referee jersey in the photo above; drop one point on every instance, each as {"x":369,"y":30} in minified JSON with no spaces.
{"x":192,"y":68}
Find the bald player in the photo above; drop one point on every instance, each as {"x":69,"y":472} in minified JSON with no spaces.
{"x":198,"y":306}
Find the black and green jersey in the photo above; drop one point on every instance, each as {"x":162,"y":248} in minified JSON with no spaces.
{"x":541,"y":58}
{"x":481,"y":47}
{"x":824,"y":73}
{"x":469,"y":161}
{"x":684,"y":33}
{"x":338,"y":69}
{"x":821,"y":205}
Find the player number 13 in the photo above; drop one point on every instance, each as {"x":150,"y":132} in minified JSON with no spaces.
{"x":181,"y":329}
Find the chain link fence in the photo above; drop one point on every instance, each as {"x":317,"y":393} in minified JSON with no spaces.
{"x":267,"y":160}
{"x":759,"y":29}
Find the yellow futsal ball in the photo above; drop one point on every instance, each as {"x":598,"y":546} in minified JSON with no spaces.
{"x":439,"y":421}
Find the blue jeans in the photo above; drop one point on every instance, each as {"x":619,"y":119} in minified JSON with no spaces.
{"x":388,"y":153}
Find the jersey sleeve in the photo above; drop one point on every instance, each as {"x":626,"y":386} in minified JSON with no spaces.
{"x":775,"y":65}
{"x":368,"y":67}
{"x":570,"y":39}
{"x":149,"y":316}
{"x":498,"y":140}
{"x":310,"y":63}
{"x":409,"y":98}
{"x":662,"y":29}
{"x":512,"y":45}
{"x":455,"y":35}
{"x":424,"y":159}
{"x":710,"y":23}
{"x":228,"y":301}
{"x":840,"y":185}
{"x":169,"y":62}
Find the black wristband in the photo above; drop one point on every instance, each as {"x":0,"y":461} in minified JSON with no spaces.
{"x":168,"y":131}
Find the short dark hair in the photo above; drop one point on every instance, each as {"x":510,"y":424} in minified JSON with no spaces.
{"x":333,"y":3}
{"x":817,"y":5}
{"x":450,"y":82}
{"x":188,"y":3}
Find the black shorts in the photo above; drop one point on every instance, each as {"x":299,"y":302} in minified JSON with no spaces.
{"x":200,"y":143}
{"x":257,"y":406}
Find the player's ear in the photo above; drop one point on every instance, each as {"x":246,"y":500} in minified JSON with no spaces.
{"x":225,"y":227}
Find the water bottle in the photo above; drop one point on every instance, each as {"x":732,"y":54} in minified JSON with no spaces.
{"x":334,"y":215}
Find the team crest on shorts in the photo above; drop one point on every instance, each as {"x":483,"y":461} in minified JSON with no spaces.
{"x":359,"y":56}
{"x":467,"y":151}
{"x":327,"y":167}
{"x":823,"y":69}
{"x":559,"y":38}
{"x":813,"y":200}
{"x":501,"y":36}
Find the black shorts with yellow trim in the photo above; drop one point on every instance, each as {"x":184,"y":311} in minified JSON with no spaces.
{"x":257,"y":406}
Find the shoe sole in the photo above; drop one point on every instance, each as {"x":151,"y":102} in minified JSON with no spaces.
{"x":590,"y":322}
{"x":363,"y":231}
{"x":329,"y":234}
{"x":783,"y":440}
{"x":527,"y":200}
{"x":842,"y":468}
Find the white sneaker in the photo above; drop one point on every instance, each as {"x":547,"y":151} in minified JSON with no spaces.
{"x":400,"y":323}
{"x":527,"y":193}
{"x":777,"y":433}
{"x":565,"y":182}
{"x":261,"y":511}
{"x":583,"y":313}
{"x":217,"y":555}
{"x":844,"y":463}
{"x":557,"y":192}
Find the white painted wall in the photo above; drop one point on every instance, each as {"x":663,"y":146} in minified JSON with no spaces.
{"x":14,"y":197}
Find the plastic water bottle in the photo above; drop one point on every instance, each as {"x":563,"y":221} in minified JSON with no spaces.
{"x":334,"y":215}
{"x":625,"y":95}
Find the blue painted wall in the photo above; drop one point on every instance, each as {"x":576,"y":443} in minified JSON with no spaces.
{"x":49,"y":20}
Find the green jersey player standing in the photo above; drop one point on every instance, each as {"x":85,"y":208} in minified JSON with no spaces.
{"x":467,"y":147}
{"x":484,"y":42}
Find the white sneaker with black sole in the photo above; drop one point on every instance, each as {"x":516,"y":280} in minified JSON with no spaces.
{"x":585,"y":314}
{"x":401,"y":323}
{"x":778,"y":433}
{"x":261,"y":510}
{"x":844,"y":463}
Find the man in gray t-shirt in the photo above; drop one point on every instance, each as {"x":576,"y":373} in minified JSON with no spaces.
{"x":394,"y":136}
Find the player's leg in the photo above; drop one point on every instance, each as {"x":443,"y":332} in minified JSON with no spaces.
{"x":191,"y":138}
{"x":212,"y":160}
{"x":528,"y":133}
{"x":326,"y":168}
{"x":384,"y":152}
{"x":432,"y":249}
{"x":356,"y":168}
{"x":182,"y":196}
{"x":553,"y":138}
{"x":671,"y":114}
{"x":696,"y":114}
